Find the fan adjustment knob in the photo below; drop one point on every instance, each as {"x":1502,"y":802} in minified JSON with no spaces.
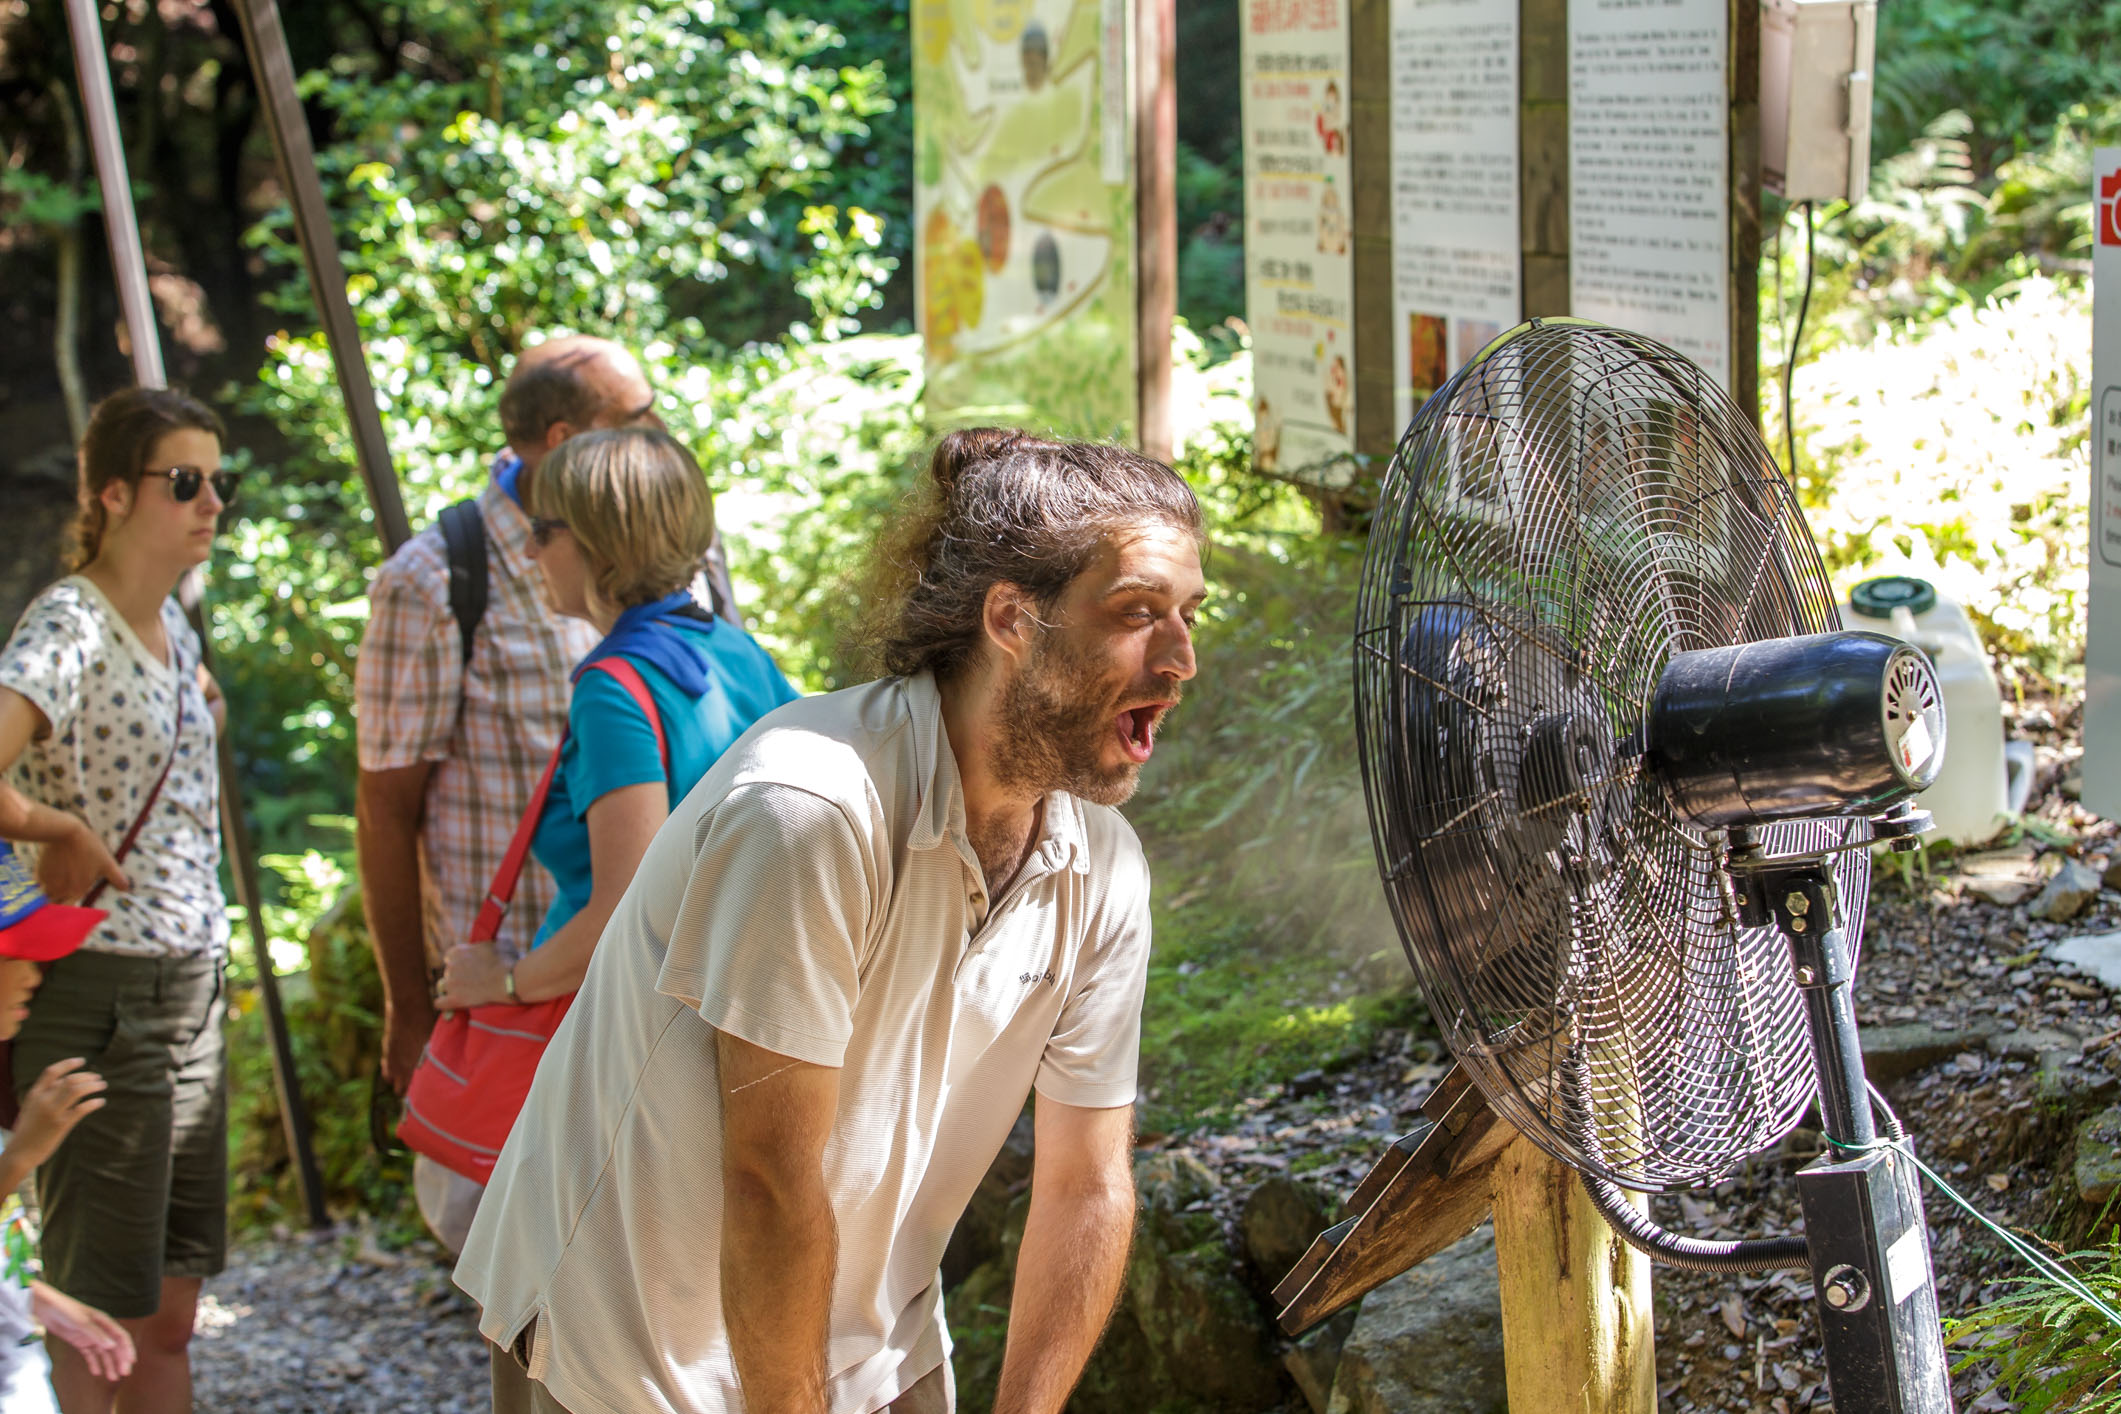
{"x":1846,"y":1289}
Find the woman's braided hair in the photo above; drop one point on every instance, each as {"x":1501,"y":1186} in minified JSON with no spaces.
{"x":1001,"y":506}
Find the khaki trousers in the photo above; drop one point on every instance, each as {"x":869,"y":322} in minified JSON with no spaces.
{"x":515,"y":1392}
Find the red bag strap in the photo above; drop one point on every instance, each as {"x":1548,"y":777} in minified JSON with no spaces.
{"x":125,"y":846}
{"x":487,"y":926}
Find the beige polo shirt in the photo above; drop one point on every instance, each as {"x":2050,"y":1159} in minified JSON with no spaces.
{"x":816,"y":895}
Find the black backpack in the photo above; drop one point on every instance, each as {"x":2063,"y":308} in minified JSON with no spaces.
{"x":464,"y":541}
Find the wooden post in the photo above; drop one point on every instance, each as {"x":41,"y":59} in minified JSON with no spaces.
{"x":265,"y":45}
{"x":1156,"y":219}
{"x":1576,"y":1324}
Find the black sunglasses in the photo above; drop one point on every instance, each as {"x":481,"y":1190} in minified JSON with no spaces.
{"x":185,"y":481}
{"x":542,"y":529}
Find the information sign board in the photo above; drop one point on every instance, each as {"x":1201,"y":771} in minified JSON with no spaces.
{"x":1026,"y":260}
{"x":2102,"y":657}
{"x":1649,"y":172}
{"x":1299,"y":206}
{"x":1456,"y":259}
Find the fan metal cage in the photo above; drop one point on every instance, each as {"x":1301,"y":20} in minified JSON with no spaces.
{"x":1574,"y":507}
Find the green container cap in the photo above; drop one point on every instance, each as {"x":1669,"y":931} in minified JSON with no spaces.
{"x":1877,"y":598}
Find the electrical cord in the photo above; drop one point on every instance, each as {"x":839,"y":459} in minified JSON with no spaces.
{"x":1789,"y":356}
{"x":1694,"y":1254}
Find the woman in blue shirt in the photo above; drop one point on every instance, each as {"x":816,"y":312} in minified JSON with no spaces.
{"x":621,"y":520}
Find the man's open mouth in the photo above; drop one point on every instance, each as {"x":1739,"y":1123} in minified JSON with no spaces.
{"x":1137,"y":729}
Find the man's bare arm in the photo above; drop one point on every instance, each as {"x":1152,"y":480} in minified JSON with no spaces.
{"x":1074,"y":1253}
{"x":388,"y":806}
{"x":779,"y":1243}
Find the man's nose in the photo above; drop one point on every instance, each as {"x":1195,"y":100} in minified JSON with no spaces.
{"x":1174,"y":658}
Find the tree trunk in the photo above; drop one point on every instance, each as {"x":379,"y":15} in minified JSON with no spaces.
{"x":66,"y":322}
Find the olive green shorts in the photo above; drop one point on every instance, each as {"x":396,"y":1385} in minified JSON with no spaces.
{"x":139,"y":1190}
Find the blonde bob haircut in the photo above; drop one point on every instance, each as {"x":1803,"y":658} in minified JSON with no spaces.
{"x":637,"y":506}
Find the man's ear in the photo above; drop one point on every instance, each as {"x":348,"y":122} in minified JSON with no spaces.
{"x":1010,"y":617}
{"x":557,"y":433}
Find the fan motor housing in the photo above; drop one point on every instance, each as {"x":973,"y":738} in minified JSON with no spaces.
{"x":1829,"y":724}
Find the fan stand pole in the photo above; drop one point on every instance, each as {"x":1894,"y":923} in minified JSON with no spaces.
{"x":1577,"y":1334}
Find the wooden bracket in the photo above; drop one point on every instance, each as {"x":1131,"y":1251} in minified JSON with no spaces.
{"x":1430,"y":1189}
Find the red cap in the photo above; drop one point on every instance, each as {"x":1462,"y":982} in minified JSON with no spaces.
{"x":31,"y":926}
{"x":51,"y":932}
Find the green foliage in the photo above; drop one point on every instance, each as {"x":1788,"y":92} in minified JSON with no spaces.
{"x":2052,"y":1350}
{"x":2014,"y":66}
{"x":30,"y":199}
{"x":334,"y":1005}
{"x":649,"y":172}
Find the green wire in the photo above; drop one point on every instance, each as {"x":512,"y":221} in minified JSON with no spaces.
{"x":2039,"y":1260}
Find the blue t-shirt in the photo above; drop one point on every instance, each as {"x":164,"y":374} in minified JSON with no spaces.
{"x":611,"y":744}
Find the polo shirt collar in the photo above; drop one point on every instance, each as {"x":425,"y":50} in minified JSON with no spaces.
{"x":507,"y":527}
{"x":1065,"y":841}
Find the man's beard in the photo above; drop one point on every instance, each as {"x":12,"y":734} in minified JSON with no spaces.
{"x":1057,"y":719}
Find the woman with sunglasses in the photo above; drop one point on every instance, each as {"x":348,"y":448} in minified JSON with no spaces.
{"x":107,"y":734}
{"x":621,"y":521}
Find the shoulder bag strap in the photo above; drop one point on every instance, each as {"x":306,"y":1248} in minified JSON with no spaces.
{"x":487,"y":926}
{"x":125,"y":846}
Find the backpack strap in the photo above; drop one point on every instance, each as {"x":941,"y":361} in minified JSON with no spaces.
{"x":502,"y":891}
{"x":464,"y":538}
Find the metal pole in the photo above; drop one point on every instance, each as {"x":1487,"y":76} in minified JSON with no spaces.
{"x":265,"y":42}
{"x":119,"y":224}
{"x":129,"y":267}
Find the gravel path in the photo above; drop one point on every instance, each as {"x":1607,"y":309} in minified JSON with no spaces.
{"x":328,"y":1323}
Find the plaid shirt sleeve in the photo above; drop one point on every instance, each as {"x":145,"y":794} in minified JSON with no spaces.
{"x":410,"y":671}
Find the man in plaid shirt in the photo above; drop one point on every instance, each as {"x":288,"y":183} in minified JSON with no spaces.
{"x":450,"y":749}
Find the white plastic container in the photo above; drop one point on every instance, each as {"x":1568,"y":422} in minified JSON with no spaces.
{"x":1970,"y":800}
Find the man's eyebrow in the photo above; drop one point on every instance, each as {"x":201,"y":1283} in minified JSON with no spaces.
{"x":1142,"y":584}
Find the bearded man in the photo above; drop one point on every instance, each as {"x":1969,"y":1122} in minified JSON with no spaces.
{"x":877,"y":924}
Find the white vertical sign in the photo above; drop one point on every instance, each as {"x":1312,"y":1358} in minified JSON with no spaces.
{"x":1456,"y":259}
{"x":1649,"y":172}
{"x":2102,"y":656}
{"x":1299,"y":229}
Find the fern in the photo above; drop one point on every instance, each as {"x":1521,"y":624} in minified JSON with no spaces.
{"x":2052,"y":1350}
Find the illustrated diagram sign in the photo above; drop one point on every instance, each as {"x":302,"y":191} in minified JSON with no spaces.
{"x":2102,"y":656}
{"x":1456,"y":281}
{"x":1025,"y":259}
{"x":1299,"y":269}
{"x":1649,"y":172}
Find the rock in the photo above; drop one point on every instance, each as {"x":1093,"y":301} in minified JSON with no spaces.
{"x":2002,"y":876}
{"x":1205,"y":1331}
{"x":2096,"y":954}
{"x":2068,"y":894}
{"x":1306,"y":1084}
{"x":1429,"y":1341}
{"x":1894,"y":1052}
{"x":2030,"y":1043}
{"x":1279,"y":1219}
{"x":1313,"y":1360}
{"x":2098,"y":1168}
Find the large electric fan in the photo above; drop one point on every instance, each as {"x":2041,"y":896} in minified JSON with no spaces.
{"x":1623,"y":770}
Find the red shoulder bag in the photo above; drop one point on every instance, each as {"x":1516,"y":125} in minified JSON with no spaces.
{"x":476,"y":1071}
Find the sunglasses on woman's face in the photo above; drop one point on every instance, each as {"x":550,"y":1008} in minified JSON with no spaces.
{"x":542,"y":529}
{"x":185,"y":481}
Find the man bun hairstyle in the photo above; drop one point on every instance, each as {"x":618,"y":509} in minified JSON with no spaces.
{"x":121,"y":436}
{"x":1001,"y":506}
{"x":637,"y":505}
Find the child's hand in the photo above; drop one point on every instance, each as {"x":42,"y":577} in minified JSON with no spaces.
{"x":103,"y":1343}
{"x":62,"y":1097}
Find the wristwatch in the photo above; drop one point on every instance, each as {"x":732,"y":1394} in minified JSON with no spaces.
{"x":508,"y":984}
